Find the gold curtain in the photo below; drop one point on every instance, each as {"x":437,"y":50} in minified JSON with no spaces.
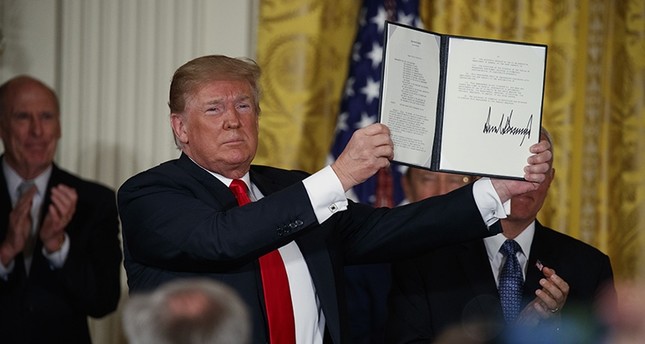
{"x":594,"y":104}
{"x":303,"y":48}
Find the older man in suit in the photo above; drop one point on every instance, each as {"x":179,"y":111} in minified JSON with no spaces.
{"x":60,"y":254}
{"x":291,"y":230}
{"x":451,"y":294}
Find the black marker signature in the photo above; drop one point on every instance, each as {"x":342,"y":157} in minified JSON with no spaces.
{"x":505,"y":128}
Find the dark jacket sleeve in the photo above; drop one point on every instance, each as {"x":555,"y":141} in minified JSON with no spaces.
{"x":384,"y":235}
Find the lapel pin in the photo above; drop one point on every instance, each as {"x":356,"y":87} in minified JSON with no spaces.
{"x":539,"y":265}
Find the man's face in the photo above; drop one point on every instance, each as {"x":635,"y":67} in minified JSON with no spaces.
{"x":420,"y":184}
{"x":30,"y":128}
{"x":219,"y":127}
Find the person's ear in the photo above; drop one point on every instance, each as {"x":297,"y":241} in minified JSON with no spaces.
{"x":179,"y":127}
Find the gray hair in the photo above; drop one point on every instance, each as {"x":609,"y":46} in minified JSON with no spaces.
{"x":187,"y":311}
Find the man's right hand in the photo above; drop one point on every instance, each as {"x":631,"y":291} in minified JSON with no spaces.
{"x":19,"y":228}
{"x":368,"y":150}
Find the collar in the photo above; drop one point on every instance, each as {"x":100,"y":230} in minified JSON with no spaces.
{"x":14,"y":180}
{"x":254,"y":192}
{"x":524,"y":239}
{"x":227,"y":181}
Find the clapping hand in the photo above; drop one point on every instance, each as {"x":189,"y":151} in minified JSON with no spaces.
{"x":549,"y":300}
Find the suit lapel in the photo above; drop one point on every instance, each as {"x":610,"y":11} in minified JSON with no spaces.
{"x":316,"y":254}
{"x":19,"y":269}
{"x":478,"y":270}
{"x":217,"y":189}
{"x":6,"y":199}
{"x":540,"y":249}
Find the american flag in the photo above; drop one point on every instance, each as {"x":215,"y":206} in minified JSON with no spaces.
{"x":360,"y":102}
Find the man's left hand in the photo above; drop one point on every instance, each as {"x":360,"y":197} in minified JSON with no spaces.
{"x":59,"y":215}
{"x":548,"y":301}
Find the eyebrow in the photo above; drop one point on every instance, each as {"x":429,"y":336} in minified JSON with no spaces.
{"x":214,"y":101}
{"x":222,"y":99}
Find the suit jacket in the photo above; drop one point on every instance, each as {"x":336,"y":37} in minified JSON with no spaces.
{"x":51,"y":305}
{"x":180,"y":221}
{"x":454,"y":285}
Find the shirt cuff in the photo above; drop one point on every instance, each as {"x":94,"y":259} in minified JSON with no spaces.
{"x":57,"y":259}
{"x":490,"y":206}
{"x":326,"y":193}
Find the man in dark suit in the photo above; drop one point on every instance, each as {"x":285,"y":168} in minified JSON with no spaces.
{"x":60,"y":253}
{"x":451,"y":294}
{"x":180,"y":219}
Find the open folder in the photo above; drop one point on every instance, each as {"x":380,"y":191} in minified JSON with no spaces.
{"x":461,"y":104}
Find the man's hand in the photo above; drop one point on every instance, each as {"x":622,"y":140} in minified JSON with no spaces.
{"x":534,"y":173}
{"x":548,"y":301}
{"x":59,"y":214}
{"x":19,"y":227}
{"x":369,"y":150}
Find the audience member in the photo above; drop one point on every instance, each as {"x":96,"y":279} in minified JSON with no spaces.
{"x":60,"y":254}
{"x":287,"y":242}
{"x":451,"y":293}
{"x":187,"y":311}
{"x":625,"y":315}
{"x":419,"y":184}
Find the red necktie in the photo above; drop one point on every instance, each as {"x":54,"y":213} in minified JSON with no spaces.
{"x":275,"y":285}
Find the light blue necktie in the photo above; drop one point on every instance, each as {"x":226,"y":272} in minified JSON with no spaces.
{"x":511,"y":281}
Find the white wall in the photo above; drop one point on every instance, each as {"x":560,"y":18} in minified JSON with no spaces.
{"x":111,"y":62}
{"x":29,"y":39}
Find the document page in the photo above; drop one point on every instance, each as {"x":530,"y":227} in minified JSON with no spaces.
{"x":410,"y":85}
{"x":492,"y":106}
